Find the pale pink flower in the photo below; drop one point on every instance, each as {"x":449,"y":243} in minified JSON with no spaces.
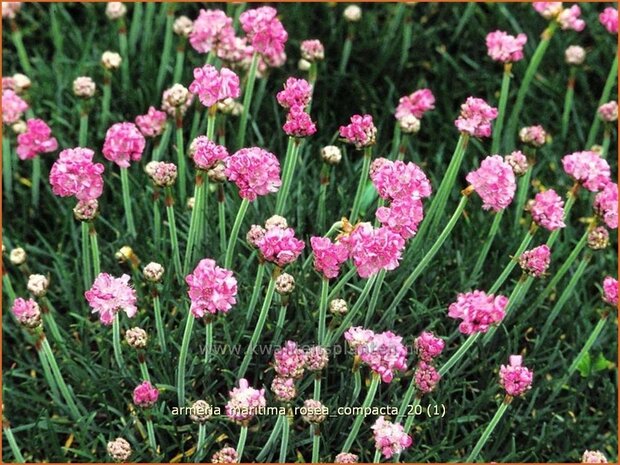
{"x":415,"y":104}
{"x":358,"y":336}
{"x":390,"y":438}
{"x":235,"y":51}
{"x":328,"y":256}
{"x":298,"y":123}
{"x":86,"y":210}
{"x":606,"y":205}
{"x":153,"y":123}
{"x":505,"y":48}
{"x":399,"y":180}
{"x":608,"y":112}
{"x":402,"y":216}
{"x":109,"y":295}
{"x":36,"y":140}
{"x":385,"y":354}
{"x":13,"y":106}
{"x":575,"y":55}
{"x":609,"y":19}
{"x":209,"y":29}
{"x":548,"y":10}
{"x":515,"y":378}
{"x":225,"y":455}
{"x":26,"y":312}
{"x":255,"y":172}
{"x":494,"y":182}
{"x":361,"y":132}
{"x":316,"y":358}
{"x":428,"y":346}
{"x":518,"y":162}
{"x":8,"y":83}
{"x":296,"y":93}
{"x":536,"y":261}
{"x":123,"y":143}
{"x":212,"y":289}
{"x":593,"y":456}
{"x":74,"y":173}
{"x":569,"y":18}
{"x":475,"y":117}
{"x":245,"y":402}
{"x":213,"y":86}
{"x":10,"y":9}
{"x":312,"y":50}
{"x":478,"y":311}
{"x":264,"y":30}
{"x":145,"y":395}
{"x":547,"y":210}
{"x":289,"y":361}
{"x":255,"y":233}
{"x":610,"y":291}
{"x":346,"y":457}
{"x":176,"y":98}
{"x":588,"y":168}
{"x":161,"y":173}
{"x":284,"y":389}
{"x":536,"y":136}
{"x":426,"y":377}
{"x":206,"y":153}
{"x":279,"y":246}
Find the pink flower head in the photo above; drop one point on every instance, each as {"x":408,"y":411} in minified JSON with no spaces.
{"x":265,"y":31}
{"x":8,"y":83}
{"x":346,"y":457}
{"x":357,"y":336}
{"x":13,"y":106}
{"x":284,"y":389}
{"x":536,"y":261}
{"x":289,"y":360}
{"x":26,"y":312}
{"x":399,"y":180}
{"x":279,"y":246}
{"x":569,"y":18}
{"x":328,"y":256}
{"x":518,"y":162}
{"x":608,"y":112}
{"x":478,"y":311}
{"x":609,"y":19}
{"x":361,"y":132}
{"x":548,"y":10}
{"x":428,"y":346}
{"x":384,"y":354}
{"x":426,"y":377}
{"x":547,"y":210}
{"x":373,"y":249}
{"x":296,"y":93}
{"x":312,"y":50}
{"x":610,"y":291}
{"x":74,"y":173}
{"x":403,"y":216}
{"x":206,"y":153}
{"x":298,"y":123}
{"x":390,"y":438}
{"x":109,"y":295}
{"x":36,"y":140}
{"x":416,"y":104}
{"x":515,"y":378}
{"x":245,"y":402}
{"x":593,"y":456}
{"x":316,"y":358}
{"x":10,"y":9}
{"x":161,"y":173}
{"x":153,"y":123}
{"x":536,"y":136}
{"x":475,"y":118}
{"x":255,"y":172}
{"x":123,"y":143}
{"x":505,"y":48}
{"x":606,"y":205}
{"x":212,"y":289}
{"x":145,"y":395}
{"x":209,"y":29}
{"x":587,"y":168}
{"x":494,"y":182}
{"x":213,"y":86}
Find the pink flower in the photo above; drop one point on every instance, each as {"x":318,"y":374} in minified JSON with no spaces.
{"x":536,"y":136}
{"x":608,"y":112}
{"x":328,"y":256}
{"x":357,"y":336}
{"x":547,"y":210}
{"x":74,"y":173}
{"x":475,"y":118}
{"x":109,"y":295}
{"x":255,"y":172}
{"x":361,"y":132}
{"x":428,"y":346}
{"x":123,"y":143}
{"x":296,"y":93}
{"x":209,"y":29}
{"x":518,"y":162}
{"x":426,"y":377}
{"x":10,"y":9}
{"x":212,"y":86}
{"x":153,"y":123}
{"x":345,"y":457}
{"x":298,"y":123}
{"x":36,"y":140}
{"x":478,"y":311}
{"x":26,"y":312}
{"x":264,"y":30}
{"x":609,"y":19}
{"x":206,"y":153}
{"x":235,"y":50}
{"x":145,"y":395}
{"x":548,"y":10}
{"x":399,"y":180}
{"x":312,"y":50}
{"x":606,"y":205}
{"x":390,"y":438}
{"x":280,"y":246}
{"x":284,"y":389}
{"x":384,"y":353}
{"x":515,"y":378}
{"x":316,"y":358}
{"x":289,"y":361}
{"x":403,"y":216}
{"x":212,"y":289}
{"x":161,"y":173}
{"x":587,"y":168}
{"x":610,"y":291}
{"x":505,"y":48}
{"x":536,"y":261}
{"x":416,"y":104}
{"x":13,"y":106}
{"x":494,"y":182}
{"x":176,"y":97}
{"x":569,"y":19}
{"x":225,"y":455}
{"x":245,"y":402}
{"x":593,"y":456}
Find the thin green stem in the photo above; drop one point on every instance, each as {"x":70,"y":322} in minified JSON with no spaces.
{"x":163,"y":142}
{"x":187,"y":335}
{"x":7,"y":286}
{"x":324,"y":180}
{"x":522,"y":191}
{"x":456,"y":357}
{"x":375,"y":296}
{"x":488,"y":431}
{"x":124,"y":48}
{"x":258,"y":284}
{"x":323,"y":311}
{"x":22,"y":55}
{"x":277,"y":334}
{"x":131,"y":227}
{"x":361,"y":184}
{"x":144,"y":371}
{"x":182,"y":176}
{"x":161,"y":333}
{"x":316,"y":395}
{"x":377,"y":457}
{"x":247,"y":100}
{"x":501,"y":114}
{"x":409,"y":420}
{"x":208,"y":341}
{"x":513,"y":301}
{"x":586,"y":347}
{"x":116,"y":341}
{"x":346,"y":54}
{"x":202,"y":433}
{"x":60,"y":381}
{"x":166,"y":51}
{"x":275,"y":434}
{"x":316,"y":443}
{"x":290,"y":160}
{"x":606,"y":141}
{"x":234,"y":233}
{"x":243,"y":435}
{"x":106,"y":99}
{"x":221,"y":216}
{"x":156,"y":222}
{"x":568,"y":102}
{"x":180,"y":59}
{"x":172,"y":226}
{"x":86,"y":271}
{"x":147,"y":30}
{"x":36,"y":180}
{"x":49,"y":377}
{"x":151,"y":434}
{"x":7,"y":169}
{"x":497,"y":219}
{"x":403,"y":409}
{"x":192,"y":235}
{"x":513,"y":261}
{"x":50,"y":322}
{"x":370,"y":396}
{"x":137,"y":26}
{"x":83,"y":137}
{"x":286,"y":429}
{"x":94,"y":249}
{"x":609,"y":85}
{"x":17,"y":454}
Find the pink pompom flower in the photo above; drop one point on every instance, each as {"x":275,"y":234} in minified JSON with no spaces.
{"x":536,"y":136}
{"x":569,"y":18}
{"x":505,"y":48}
{"x":36,"y":140}
{"x":399,"y":180}
{"x":161,"y":173}
{"x":428,"y":346}
{"x":402,"y":216}
{"x":279,"y":245}
{"x":145,"y":395}
{"x":547,"y":210}
{"x":212,"y":289}
{"x":587,"y":168}
{"x":358,"y":336}
{"x":415,"y":104}
{"x":475,"y":117}
{"x":518,"y":162}
{"x":328,"y":256}
{"x":312,"y":50}
{"x":153,"y":123}
{"x":385,"y":354}
{"x":608,"y":112}
{"x":515,"y":378}
{"x":478,"y":311}
{"x":296,"y":93}
{"x":123,"y":143}
{"x":593,"y":456}
{"x":289,"y":361}
{"x":206,"y":153}
{"x":346,"y":457}
{"x":213,"y":86}
{"x":245,"y":402}
{"x":210,"y":28}
{"x":298,"y":123}
{"x":494,"y":182}
{"x":610,"y":291}
{"x":606,"y":205}
{"x":255,"y":172}
{"x":26,"y":312}
{"x":390,"y":438}
{"x":361,"y":132}
{"x":536,"y":261}
{"x":548,"y":10}
{"x":265,"y":31}
{"x":109,"y":295}
{"x":74,"y":173}
{"x":13,"y":106}
{"x":609,"y":19}
{"x":426,"y":377}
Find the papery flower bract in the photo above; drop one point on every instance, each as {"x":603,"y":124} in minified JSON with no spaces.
{"x":390,"y":438}
{"x":298,"y":123}
{"x":358,"y":336}
{"x":176,"y":98}
{"x":575,"y":55}
{"x":119,"y":450}
{"x":328,"y":256}
{"x":587,"y":168}
{"x":606,"y":205}
{"x":569,"y":18}
{"x":13,"y":106}
{"x":361,"y":132}
{"x":36,"y":140}
{"x":478,"y":311}
{"x":209,"y":29}
{"x":145,"y":395}
{"x":37,"y":285}
{"x":296,"y":93}
{"x":547,"y":210}
{"x":505,"y":48}
{"x":279,"y":246}
{"x":385,"y":354}
{"x":518,"y":162}
{"x":314,"y":411}
{"x":136,"y":338}
{"x":206,"y":153}
{"x":536,"y":136}
{"x":152,"y":124}
{"x":289,"y":360}
{"x":276,"y":221}
{"x":212,"y":289}
{"x":426,"y":377}
{"x":415,"y":104}
{"x":402,"y":216}
{"x":109,"y":295}
{"x":123,"y":143}
{"x":84,"y":87}
{"x":428,"y":346}
{"x":153,"y":272}
{"x":26,"y":312}
{"x":212,"y":85}
{"x":475,"y":117}
{"x":74,"y":173}
{"x":312,"y":50}
{"x":536,"y":261}
{"x":264,"y":30}
{"x":593,"y":456}
{"x":111,"y":60}
{"x":548,"y":10}
{"x":609,"y":19}
{"x":245,"y":402}
{"x":608,"y":112}
{"x":494,"y":182}
{"x":399,"y":180}
{"x":255,"y":172}
{"x":515,"y":378}
{"x":610,"y":291}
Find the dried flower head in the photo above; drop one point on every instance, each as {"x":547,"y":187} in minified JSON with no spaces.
{"x":136,"y":338}
{"x":119,"y":450}
{"x":38,"y":284}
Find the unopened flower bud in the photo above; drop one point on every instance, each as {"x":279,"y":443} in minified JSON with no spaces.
{"x":535,"y":136}
{"x":593,"y":456}
{"x":177,"y":95}
{"x":316,"y":358}
{"x":111,"y":60}
{"x":136,"y":338}
{"x":153,"y":272}
{"x":409,"y":124}
{"x":276,"y":221}
{"x":346,"y":457}
{"x":303,"y":65}
{"x":518,"y":162}
{"x":226,"y":106}
{"x":115,"y":10}
{"x":338,"y":307}
{"x":84,"y":87}
{"x":225,"y":455}
{"x":217,"y":173}
{"x":352,"y":13}
{"x":38,"y":284}
{"x":21,"y":82}
{"x":119,"y":450}
{"x":575,"y":55}
{"x":255,"y":233}
{"x":17,"y":256}
{"x":314,"y":411}
{"x":191,"y":201}
{"x":86,"y":210}
{"x":285,"y":284}
{"x":331,"y":154}
{"x":598,"y":238}
{"x":19,"y":127}
{"x":284,"y":388}
{"x":312,"y":50}
{"x":608,"y":112}
{"x":200,"y":411}
{"x":183,"y":26}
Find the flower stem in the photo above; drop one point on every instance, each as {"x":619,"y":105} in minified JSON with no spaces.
{"x":459,"y":353}
{"x":147,"y":29}
{"x":17,"y":455}
{"x":277,"y":335}
{"x":156,"y":221}
{"x":161,"y":334}
{"x":60,"y":381}
{"x":568,"y":101}
{"x":234,"y":233}
{"x":609,"y":84}
{"x":221,"y":216}
{"x":172,"y":225}
{"x":83,"y":137}
{"x":346,"y":53}
{"x":7,"y":168}
{"x":275,"y":434}
{"x":116,"y":341}
{"x":106,"y":99}
{"x":94,"y":249}
{"x":513,"y":301}
{"x":165,"y":55}
{"x":361,"y":184}
{"x":144,"y":371}
{"x":36,"y":180}
{"x":522,"y":191}
{"x":409,"y":420}
{"x":501,"y":114}
{"x":49,"y":377}
{"x":202,"y":433}
{"x":324,"y":180}
{"x":163,"y":142}
{"x":247,"y":100}
{"x":182,"y":177}
{"x":178,"y":66}
{"x":513,"y":262}
{"x":316,"y":443}
{"x":286,"y":429}
{"x":86,"y":270}
{"x":136,"y":28}
{"x":258,"y":283}
{"x":208,"y":340}
{"x":124,"y":49}
{"x":187,"y":334}
{"x":290,"y":160}
{"x":131,"y":227}
{"x":370,"y":395}
{"x":243,"y":435}
{"x":48,"y":317}
{"x":489,"y":430}
{"x":323,"y":311}
{"x":497,"y":219}
{"x":375,"y":296}
{"x":377,"y":457}
{"x":606,"y":141}
{"x":192,"y":234}
{"x":22,"y":55}
{"x":151,"y":434}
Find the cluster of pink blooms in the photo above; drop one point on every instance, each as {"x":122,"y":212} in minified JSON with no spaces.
{"x":346,"y":457}
{"x":289,"y":361}
{"x":298,"y":123}
{"x":356,"y":336}
{"x":547,"y":209}
{"x":109,"y":295}
{"x":210,"y":28}
{"x":608,"y":112}
{"x":505,"y":48}
{"x":123,"y":143}
{"x":145,"y":395}
{"x":26,"y":312}
{"x":176,"y":98}
{"x":548,"y":10}
{"x":161,"y":173}
{"x":312,"y":50}
{"x":74,"y":173}
{"x":475,"y":117}
{"x":225,"y":455}
{"x":569,"y":18}
{"x":428,"y":346}
{"x":361,"y":132}
{"x":212,"y":85}
{"x":206,"y":153}
{"x":518,"y":162}
{"x":255,"y":172}
{"x":212,"y":289}
{"x":265,"y":32}
{"x":245,"y":402}
{"x":153,"y":123}
{"x":328,"y":256}
{"x":536,"y":261}
{"x":390,"y":438}
{"x":13,"y":106}
{"x":316,"y":358}
{"x":515,"y":378}
{"x":384,"y":353}
{"x":494,"y":182}
{"x":606,"y":205}
{"x":610,"y":291}
{"x":588,"y":168}
{"x":593,"y":456}
{"x":536,"y":136}
{"x":415,"y":104}
{"x":402,"y":217}
{"x":478,"y":311}
{"x":280,"y":246}
{"x":296,"y":93}
{"x":426,"y":377}
{"x":609,"y":19}
{"x":35,"y":140}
